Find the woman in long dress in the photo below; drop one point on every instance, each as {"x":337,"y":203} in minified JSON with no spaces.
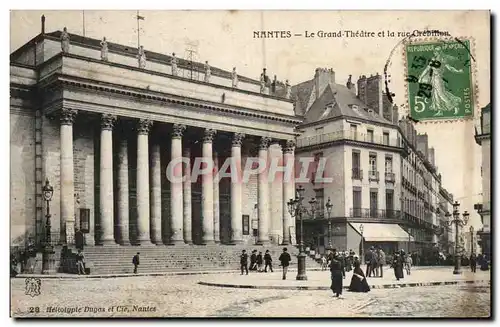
{"x":358,"y":280}
{"x":441,"y":99}
{"x":398,"y":263}
{"x":336,"y":275}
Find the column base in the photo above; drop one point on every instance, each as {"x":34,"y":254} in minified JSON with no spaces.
{"x":188,"y":242}
{"x":207,"y":242}
{"x":125,"y":243}
{"x":108,"y":243}
{"x":176,"y":242}
{"x":263,"y":243}
{"x":285,"y":243}
{"x":145,"y":243}
{"x":236,"y":242}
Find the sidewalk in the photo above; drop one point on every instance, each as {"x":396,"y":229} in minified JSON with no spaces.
{"x":320,"y":280}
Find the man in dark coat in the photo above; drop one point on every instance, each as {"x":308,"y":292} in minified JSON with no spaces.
{"x":135,"y":261}
{"x":369,"y":258}
{"x":268,"y":261}
{"x":244,"y":261}
{"x":80,"y":266}
{"x":285,"y":261}
{"x":260,"y":261}
{"x":336,"y":274}
{"x":253,"y":260}
{"x":473,"y":262}
{"x":398,"y":264}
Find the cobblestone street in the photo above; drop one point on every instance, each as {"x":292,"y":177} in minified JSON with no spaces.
{"x":181,"y":296}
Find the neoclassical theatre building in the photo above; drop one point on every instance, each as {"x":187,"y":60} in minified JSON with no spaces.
{"x":101,"y":121}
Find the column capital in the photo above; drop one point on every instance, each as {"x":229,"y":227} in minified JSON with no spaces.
{"x":144,"y":126}
{"x":209,"y":135}
{"x":68,"y":116}
{"x":237,"y":139}
{"x":289,"y":146}
{"x":108,"y":121}
{"x":178,"y":130}
{"x":264,"y":143}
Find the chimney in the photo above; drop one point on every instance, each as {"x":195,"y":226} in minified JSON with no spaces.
{"x":374,"y":93}
{"x":43,"y":24}
{"x":362,"y":88}
{"x":387,"y":108}
{"x":423,"y":144}
{"x":350,"y":85}
{"x":432,"y":157}
{"x":395,"y":113}
{"x":322,"y":78}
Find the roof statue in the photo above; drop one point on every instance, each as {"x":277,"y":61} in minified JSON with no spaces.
{"x":208,"y":72}
{"x":65,"y":40}
{"x":173,"y":63}
{"x":234,"y":77}
{"x":288,"y":90}
{"x":142,"y":57}
{"x":104,"y":49}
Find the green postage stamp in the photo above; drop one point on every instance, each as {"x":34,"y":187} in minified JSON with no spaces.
{"x":439,"y":78}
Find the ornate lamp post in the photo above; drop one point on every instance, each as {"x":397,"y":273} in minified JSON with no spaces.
{"x":361,"y":229}
{"x":296,"y":209}
{"x":329,"y":207}
{"x":471,"y":230}
{"x":459,"y":222}
{"x":48,"y":262}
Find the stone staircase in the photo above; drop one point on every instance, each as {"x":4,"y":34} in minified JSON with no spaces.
{"x":118,"y":259}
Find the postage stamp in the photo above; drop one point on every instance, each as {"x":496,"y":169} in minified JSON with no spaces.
{"x":439,"y":78}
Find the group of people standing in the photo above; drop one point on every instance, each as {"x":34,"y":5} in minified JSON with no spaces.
{"x":260,"y":263}
{"x":339,"y":263}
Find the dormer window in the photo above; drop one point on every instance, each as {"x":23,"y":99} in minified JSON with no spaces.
{"x":354,"y":106}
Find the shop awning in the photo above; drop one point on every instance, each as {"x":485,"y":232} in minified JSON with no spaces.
{"x":382,"y":232}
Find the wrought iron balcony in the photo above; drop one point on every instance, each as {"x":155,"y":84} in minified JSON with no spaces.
{"x":374,"y":213}
{"x":357,"y":173}
{"x":390,"y":177}
{"x":373,"y":175}
{"x":348,"y":135}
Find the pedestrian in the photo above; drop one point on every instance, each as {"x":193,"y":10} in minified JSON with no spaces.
{"x":268,"y":261}
{"x":484,"y":263}
{"x":253,"y":260}
{"x":398,"y":263}
{"x":285,"y":261}
{"x":473,"y":262}
{"x":374,"y":263}
{"x":80,"y":262}
{"x":343,"y":260}
{"x":369,"y":260}
{"x":349,"y":260}
{"x":358,"y":280}
{"x":135,"y":261}
{"x":260,"y":261}
{"x":381,"y":262}
{"x":336,"y":274}
{"x":408,"y":263}
{"x":244,"y":261}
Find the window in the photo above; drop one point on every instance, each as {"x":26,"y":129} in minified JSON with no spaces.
{"x":356,"y":202}
{"x":320,"y":130}
{"x":354,"y":131}
{"x":388,"y":164}
{"x":386,"y":138}
{"x":369,"y":135}
{"x":373,"y":203}
{"x":320,"y":202}
{"x":373,"y":162}
{"x":357,"y":173}
{"x":389,"y":203}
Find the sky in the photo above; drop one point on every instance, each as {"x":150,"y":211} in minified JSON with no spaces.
{"x":225,"y":39}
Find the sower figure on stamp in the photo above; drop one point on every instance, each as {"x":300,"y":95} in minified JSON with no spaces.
{"x":244,"y":261}
{"x":80,"y":264}
{"x":285,"y":261}
{"x":135,"y":261}
{"x":268,"y":261}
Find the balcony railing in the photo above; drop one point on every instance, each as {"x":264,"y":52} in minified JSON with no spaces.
{"x":357,"y":173}
{"x":373,"y":175}
{"x":374,"y":213}
{"x":347,"y":135}
{"x":390,"y":177}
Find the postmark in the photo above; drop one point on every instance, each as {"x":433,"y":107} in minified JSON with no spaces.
{"x":439,"y":78}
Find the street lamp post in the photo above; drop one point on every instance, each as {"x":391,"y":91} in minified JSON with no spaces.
{"x":459,"y":222}
{"x":471,"y":229}
{"x":409,"y":241}
{"x":361,"y":229}
{"x":48,"y":261}
{"x":296,"y":209}
{"x":329,"y":207}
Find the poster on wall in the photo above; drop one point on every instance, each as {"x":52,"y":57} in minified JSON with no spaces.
{"x":246,"y":224}
{"x":293,"y":238}
{"x":84,"y":220}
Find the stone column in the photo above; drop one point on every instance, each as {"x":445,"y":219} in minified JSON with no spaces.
{"x":207,"y":196}
{"x":67,"y":175}
{"x":122,"y":200}
{"x":155,"y":201}
{"x":275,"y":196}
{"x":236,"y":190}
{"x":176,"y":193}
{"x":106,"y":180}
{"x":216,"y":200}
{"x":288,"y":188}
{"x":263,"y":194}
{"x":142,"y":188}
{"x":187,"y":222}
